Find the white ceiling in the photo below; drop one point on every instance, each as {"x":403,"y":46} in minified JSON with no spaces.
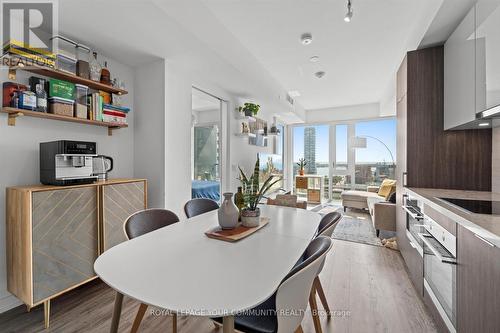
{"x":251,"y":49}
{"x":359,"y":58}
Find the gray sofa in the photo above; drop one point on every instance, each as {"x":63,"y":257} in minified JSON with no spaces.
{"x":383,"y":213}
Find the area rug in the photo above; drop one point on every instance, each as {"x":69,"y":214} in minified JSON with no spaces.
{"x":355,"y":225}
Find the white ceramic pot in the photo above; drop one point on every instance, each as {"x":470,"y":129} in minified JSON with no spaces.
{"x":250,"y":218}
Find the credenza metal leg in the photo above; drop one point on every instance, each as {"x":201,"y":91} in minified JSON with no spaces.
{"x":46,"y":313}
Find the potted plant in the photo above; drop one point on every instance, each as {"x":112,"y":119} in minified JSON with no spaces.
{"x":302,"y":163}
{"x":252,"y":194}
{"x":249,"y":109}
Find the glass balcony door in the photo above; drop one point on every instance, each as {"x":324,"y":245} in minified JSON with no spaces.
{"x":359,"y":154}
{"x":341,"y":166}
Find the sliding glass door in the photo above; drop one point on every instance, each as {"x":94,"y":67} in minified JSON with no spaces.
{"x":206,"y":146}
{"x":351,"y":155}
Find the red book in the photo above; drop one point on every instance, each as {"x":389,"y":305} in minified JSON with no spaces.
{"x":115,"y":113}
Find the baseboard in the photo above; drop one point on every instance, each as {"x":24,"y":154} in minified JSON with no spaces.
{"x":9,"y":302}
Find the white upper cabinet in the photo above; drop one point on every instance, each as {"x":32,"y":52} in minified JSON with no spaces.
{"x":487,"y":55}
{"x":459,"y":74}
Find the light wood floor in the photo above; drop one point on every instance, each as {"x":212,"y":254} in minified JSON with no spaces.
{"x":368,"y":283}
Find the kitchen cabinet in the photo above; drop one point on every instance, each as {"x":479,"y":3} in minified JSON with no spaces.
{"x":478,"y":290}
{"x":487,"y":60}
{"x":464,"y":156}
{"x":55,"y":233}
{"x":459,"y":74}
{"x":472,"y":68}
{"x":410,"y":254}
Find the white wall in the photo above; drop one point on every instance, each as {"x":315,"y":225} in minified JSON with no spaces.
{"x":353,"y":112}
{"x":149,"y":129}
{"x":19,"y":161}
{"x":177,"y":138}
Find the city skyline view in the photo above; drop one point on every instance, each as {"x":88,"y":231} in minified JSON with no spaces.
{"x":375,"y":152}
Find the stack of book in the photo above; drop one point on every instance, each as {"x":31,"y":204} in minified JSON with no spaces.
{"x":28,"y":55}
{"x":115,"y":113}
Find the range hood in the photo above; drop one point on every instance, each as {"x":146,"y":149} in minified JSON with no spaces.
{"x":485,"y":119}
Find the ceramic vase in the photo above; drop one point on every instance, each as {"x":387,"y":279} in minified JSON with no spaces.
{"x":228,"y":213}
{"x":250,"y":218}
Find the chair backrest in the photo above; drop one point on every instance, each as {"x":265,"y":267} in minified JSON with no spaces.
{"x":328,"y":224}
{"x":199,"y":206}
{"x":287,"y":200}
{"x":293,"y":293}
{"x":148,"y":220}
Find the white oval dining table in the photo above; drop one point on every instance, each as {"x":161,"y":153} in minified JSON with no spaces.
{"x":179,"y":269}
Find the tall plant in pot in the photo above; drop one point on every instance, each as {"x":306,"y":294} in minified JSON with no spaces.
{"x":253,"y":193}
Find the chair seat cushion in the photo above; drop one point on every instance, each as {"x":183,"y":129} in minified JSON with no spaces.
{"x":358,"y":195}
{"x":260,"y":319}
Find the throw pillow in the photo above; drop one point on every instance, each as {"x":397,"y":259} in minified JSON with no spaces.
{"x":388,"y":186}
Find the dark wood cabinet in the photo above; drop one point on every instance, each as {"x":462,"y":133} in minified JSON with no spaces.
{"x":478,"y":284}
{"x":431,"y":157}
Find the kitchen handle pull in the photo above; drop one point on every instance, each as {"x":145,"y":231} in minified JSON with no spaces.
{"x":404,"y":177}
{"x":452,"y":261}
{"x":413,"y":216}
{"x":485,"y":241}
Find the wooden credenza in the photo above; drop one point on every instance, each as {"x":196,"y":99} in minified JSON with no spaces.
{"x":55,"y":233}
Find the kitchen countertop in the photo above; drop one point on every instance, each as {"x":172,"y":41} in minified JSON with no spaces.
{"x":486,"y":226}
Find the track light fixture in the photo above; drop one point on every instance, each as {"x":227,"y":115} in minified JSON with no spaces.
{"x":349,"y":14}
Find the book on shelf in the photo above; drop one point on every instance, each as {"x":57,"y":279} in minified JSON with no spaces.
{"x":101,"y":111}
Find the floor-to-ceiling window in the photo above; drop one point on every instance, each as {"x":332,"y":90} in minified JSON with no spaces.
{"x":374,"y":158}
{"x":349,"y":155}
{"x":311,"y":143}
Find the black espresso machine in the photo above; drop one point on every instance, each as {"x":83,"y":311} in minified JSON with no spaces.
{"x":67,"y":162}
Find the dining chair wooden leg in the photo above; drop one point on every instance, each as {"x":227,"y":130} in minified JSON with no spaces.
{"x":322,"y":297}
{"x":314,"y":311}
{"x":117,"y":311}
{"x":228,"y":324}
{"x":138,"y":317}
{"x":174,"y":323}
{"x":299,"y":329}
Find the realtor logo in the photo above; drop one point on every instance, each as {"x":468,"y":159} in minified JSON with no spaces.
{"x":28,"y":28}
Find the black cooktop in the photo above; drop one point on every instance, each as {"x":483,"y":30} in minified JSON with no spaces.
{"x":476,"y":206}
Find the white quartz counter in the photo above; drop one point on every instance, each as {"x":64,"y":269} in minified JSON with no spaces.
{"x":486,"y":226}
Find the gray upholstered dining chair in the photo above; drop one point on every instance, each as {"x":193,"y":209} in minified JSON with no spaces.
{"x":199,"y":206}
{"x":273,"y":315}
{"x":326,"y":228}
{"x":139,"y":224}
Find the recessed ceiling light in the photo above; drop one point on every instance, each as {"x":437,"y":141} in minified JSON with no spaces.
{"x":350,"y":12}
{"x":319,"y":74}
{"x":483,"y":124}
{"x":306,"y":38}
{"x":294,"y":93}
{"x":314,"y":59}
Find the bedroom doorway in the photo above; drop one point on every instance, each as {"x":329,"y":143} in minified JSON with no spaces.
{"x":206,"y":145}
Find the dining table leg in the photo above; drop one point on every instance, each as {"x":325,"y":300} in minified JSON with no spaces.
{"x":117,"y":311}
{"x":228,"y":324}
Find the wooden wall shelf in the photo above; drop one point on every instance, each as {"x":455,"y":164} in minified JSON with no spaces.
{"x":57,"y":74}
{"x":14,"y":113}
